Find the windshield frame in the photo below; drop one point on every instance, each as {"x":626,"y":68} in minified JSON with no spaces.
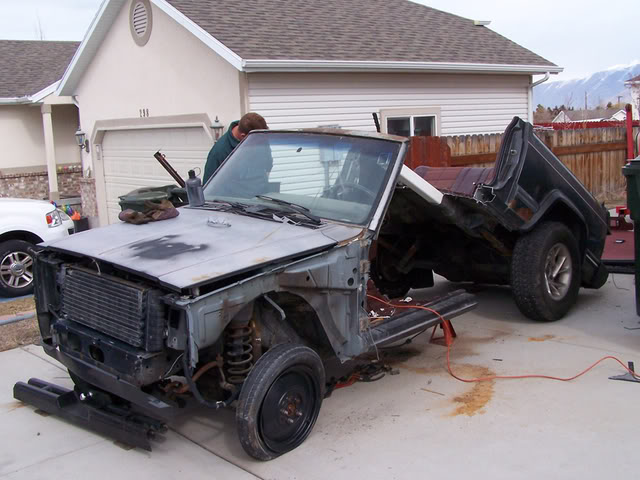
{"x":379,"y":204}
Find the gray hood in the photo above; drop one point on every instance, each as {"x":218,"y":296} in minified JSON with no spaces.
{"x":186,"y":251}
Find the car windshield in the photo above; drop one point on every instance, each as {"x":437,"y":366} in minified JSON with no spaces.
{"x":330,"y":176}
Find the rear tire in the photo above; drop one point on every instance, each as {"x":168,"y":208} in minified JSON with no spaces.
{"x":280,"y":401}
{"x":545,"y":272}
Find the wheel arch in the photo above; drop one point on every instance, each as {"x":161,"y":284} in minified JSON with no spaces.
{"x":302,"y":321}
{"x":557,"y":207}
{"x":20,"y":235}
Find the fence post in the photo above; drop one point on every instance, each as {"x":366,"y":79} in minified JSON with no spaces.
{"x":629,"y":131}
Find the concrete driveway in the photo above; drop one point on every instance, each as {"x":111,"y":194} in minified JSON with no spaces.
{"x":417,"y":424}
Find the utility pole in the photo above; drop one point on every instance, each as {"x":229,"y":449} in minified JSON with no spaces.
{"x":619,"y":97}
{"x":585,"y":101}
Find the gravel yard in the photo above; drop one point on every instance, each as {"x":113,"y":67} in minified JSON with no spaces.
{"x":20,"y":333}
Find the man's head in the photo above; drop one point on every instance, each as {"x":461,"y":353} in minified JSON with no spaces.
{"x":251,"y":121}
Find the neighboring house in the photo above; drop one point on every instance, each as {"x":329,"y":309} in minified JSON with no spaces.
{"x":562,"y":117}
{"x":597,"y":115}
{"x":633,"y":84}
{"x":619,"y":116}
{"x":37,"y":127}
{"x":155,"y":74}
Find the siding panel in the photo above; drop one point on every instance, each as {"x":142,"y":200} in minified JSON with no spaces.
{"x":469,"y":103}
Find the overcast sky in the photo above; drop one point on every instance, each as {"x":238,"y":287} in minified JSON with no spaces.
{"x":583,"y":36}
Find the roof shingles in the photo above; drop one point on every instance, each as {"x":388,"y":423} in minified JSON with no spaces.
{"x":351,"y":30}
{"x":26,"y":67}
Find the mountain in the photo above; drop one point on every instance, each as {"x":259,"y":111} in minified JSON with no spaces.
{"x":601,"y":87}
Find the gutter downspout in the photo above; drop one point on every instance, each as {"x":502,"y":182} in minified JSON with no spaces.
{"x":542,"y":80}
{"x":533,"y":84}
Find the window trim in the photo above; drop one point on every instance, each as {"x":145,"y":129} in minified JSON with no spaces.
{"x":411,"y":112}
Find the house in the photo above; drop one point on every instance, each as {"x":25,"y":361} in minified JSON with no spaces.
{"x":619,"y":116}
{"x":596,"y":115}
{"x":633,"y":84}
{"x":156,"y":74}
{"x":37,"y":127}
{"x":562,"y":117}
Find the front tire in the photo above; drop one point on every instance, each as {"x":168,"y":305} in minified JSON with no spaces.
{"x":16,"y":268}
{"x":280,"y":401}
{"x":545,"y":272}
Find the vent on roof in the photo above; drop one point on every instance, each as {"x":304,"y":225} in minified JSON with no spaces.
{"x":140,"y":21}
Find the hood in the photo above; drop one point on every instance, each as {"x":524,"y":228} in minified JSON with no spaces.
{"x":187,"y":251}
{"x":25,"y":205}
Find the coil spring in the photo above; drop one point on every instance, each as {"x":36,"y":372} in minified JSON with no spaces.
{"x":238,"y":356}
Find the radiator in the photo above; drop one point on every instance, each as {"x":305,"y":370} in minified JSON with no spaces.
{"x":118,"y":308}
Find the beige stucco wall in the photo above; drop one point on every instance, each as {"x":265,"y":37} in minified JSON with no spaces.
{"x":22,"y":136}
{"x":173,"y":74}
{"x":65,"y":124}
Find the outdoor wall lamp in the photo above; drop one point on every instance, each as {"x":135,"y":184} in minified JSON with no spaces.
{"x":81,"y":140}
{"x":217,"y":128}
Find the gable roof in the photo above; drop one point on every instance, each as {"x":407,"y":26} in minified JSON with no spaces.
{"x":353,"y":30}
{"x":28,"y":67}
{"x":332,"y":35}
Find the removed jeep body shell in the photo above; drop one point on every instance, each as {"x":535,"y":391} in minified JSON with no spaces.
{"x":471,"y":233}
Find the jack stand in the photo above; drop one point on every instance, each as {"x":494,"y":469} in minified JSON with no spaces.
{"x":448,"y":334}
{"x":627,"y":377}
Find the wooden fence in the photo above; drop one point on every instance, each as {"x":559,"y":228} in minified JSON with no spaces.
{"x":595,"y":156}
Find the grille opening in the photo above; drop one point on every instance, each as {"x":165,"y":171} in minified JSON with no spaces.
{"x":96,"y":353}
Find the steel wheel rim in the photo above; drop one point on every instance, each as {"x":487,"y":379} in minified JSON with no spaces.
{"x":289,"y":410}
{"x":16,"y":270}
{"x":558,"y":271}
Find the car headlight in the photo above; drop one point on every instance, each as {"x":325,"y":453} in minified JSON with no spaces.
{"x":53,"y":218}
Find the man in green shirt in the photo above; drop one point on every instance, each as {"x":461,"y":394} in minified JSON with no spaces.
{"x":225,"y":145}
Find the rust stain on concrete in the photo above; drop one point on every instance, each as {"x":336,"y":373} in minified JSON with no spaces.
{"x":13,"y":406}
{"x":473,"y":401}
{"x":543,"y":338}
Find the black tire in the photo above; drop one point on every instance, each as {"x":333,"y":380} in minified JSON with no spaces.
{"x":280,"y":401}
{"x":544,"y":280}
{"x":16,"y":268}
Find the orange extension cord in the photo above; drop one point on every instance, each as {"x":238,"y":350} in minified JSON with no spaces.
{"x":502,"y":377}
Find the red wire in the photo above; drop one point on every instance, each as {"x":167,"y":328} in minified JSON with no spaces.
{"x":504,"y":377}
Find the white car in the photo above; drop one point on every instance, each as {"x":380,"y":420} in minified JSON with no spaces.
{"x":23,"y":224}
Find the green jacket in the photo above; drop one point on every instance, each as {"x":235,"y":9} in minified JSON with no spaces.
{"x":219,"y":152}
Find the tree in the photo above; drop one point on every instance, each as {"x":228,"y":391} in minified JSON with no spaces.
{"x":38,"y":28}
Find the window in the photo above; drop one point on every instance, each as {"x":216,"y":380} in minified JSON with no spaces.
{"x":412,"y":125}
{"x":336,"y":177}
{"x":411,"y":122}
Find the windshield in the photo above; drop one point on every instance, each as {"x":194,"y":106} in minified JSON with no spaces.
{"x":333,"y":177}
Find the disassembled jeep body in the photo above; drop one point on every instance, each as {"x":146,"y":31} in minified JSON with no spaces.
{"x":279,"y":255}
{"x":245,"y":298}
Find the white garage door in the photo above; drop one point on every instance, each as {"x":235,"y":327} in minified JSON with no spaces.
{"x":129,"y":163}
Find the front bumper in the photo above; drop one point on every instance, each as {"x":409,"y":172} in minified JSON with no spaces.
{"x":112,"y":383}
{"x":109,"y":365}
